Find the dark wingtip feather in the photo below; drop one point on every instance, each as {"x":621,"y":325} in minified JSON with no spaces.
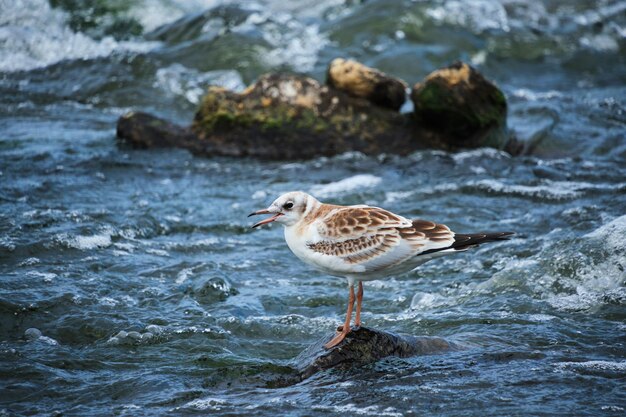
{"x":466,"y":241}
{"x":463,"y":241}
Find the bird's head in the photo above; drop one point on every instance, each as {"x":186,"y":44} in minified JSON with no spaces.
{"x":287,"y":209}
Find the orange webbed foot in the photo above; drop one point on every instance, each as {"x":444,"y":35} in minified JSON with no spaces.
{"x":338,"y":338}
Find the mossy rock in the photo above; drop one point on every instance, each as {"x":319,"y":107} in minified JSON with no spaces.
{"x":463,"y":105}
{"x":284,"y":116}
{"x":287,"y":116}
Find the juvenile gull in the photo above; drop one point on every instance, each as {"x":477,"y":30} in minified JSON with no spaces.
{"x":362,"y":243}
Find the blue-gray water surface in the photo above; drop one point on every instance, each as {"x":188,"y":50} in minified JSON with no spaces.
{"x":132,"y":285}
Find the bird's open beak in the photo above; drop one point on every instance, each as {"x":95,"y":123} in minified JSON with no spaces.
{"x":266,"y":221}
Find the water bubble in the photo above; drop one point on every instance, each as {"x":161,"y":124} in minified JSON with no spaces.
{"x":154,"y":329}
{"x":134,"y":335}
{"x":212,"y":289}
{"x":32,"y":334}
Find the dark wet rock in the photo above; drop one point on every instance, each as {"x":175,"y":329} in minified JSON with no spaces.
{"x":463,"y":105}
{"x":286,"y":116}
{"x":365,"y":345}
{"x":359,"y":80}
{"x":142,"y":130}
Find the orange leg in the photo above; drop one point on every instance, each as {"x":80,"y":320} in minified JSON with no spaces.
{"x":359,"y":300}
{"x":346,"y":326}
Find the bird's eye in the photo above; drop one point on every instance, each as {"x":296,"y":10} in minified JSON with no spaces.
{"x":287,"y":206}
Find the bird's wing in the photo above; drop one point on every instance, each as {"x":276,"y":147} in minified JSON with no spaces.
{"x":376,"y":238}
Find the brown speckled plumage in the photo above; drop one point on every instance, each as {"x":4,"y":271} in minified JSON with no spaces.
{"x":361,"y":234}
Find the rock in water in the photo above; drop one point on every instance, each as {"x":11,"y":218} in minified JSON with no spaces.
{"x":359,"y":80}
{"x":142,"y":130}
{"x":463,"y":105}
{"x":286,"y":116}
{"x":365,"y":345}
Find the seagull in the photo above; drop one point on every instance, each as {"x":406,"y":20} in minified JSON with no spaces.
{"x":362,"y":243}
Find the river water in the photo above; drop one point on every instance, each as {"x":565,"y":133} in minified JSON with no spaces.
{"x":131,"y":283}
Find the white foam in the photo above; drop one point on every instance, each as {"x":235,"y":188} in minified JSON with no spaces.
{"x":154,"y":13}
{"x":259,"y":195}
{"x":30,"y":261}
{"x":179,"y":80}
{"x":183,"y":275}
{"x":33,"y":35}
{"x":158,"y":252}
{"x":209,"y":241}
{"x":352,"y":409}
{"x":595,"y":365}
{"x":423,"y":300}
{"x":481,"y":153}
{"x":293,"y":165}
{"x":214,"y":404}
{"x":351,"y":156}
{"x":35,"y":335}
{"x":293,"y":43}
{"x":598,"y":280}
{"x":108,"y":301}
{"x":611,"y":234}
{"x":46,"y":276}
{"x":536,"y":95}
{"x":133,"y":337}
{"x":84,"y":242}
{"x":614,"y":408}
{"x":393,"y":196}
{"x":200,"y":243}
{"x":542,"y":318}
{"x":552,"y":190}
{"x":246,"y":264}
{"x":477,"y":15}
{"x":346,"y":185}
{"x":128,"y":247}
{"x":299,"y":51}
{"x":601,"y":42}
{"x":441,"y":188}
{"x":583,"y":274}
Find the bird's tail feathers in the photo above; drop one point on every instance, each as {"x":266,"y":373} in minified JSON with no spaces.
{"x":466,"y":241}
{"x":463,"y":242}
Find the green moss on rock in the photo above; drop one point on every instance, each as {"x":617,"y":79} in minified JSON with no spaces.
{"x":286,"y":116}
{"x":293,"y":115}
{"x":459,"y":102}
